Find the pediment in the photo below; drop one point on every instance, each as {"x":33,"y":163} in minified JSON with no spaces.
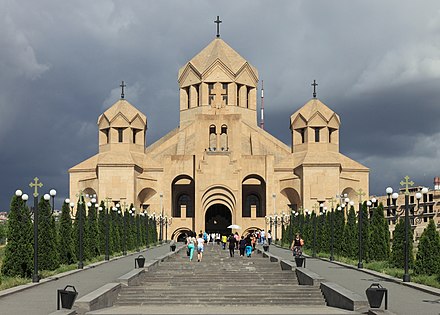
{"x":190,"y":76}
{"x":218,"y":72}
{"x":246,"y":78}
{"x":120,"y":121}
{"x":103,"y":122}
{"x":334,"y":122}
{"x":317,"y":120}
{"x":299,"y":122}
{"x":137,"y":123}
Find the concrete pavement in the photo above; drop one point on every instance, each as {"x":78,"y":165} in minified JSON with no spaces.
{"x":402,"y":300}
{"x":41,"y":299}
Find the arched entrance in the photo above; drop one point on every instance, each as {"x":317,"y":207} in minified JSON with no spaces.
{"x":217,"y":219}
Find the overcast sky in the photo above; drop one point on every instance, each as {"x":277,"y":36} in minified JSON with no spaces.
{"x":377,"y":64}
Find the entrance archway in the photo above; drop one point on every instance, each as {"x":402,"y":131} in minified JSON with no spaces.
{"x":217,"y":219}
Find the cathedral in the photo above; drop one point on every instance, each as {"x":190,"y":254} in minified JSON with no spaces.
{"x":218,"y":167}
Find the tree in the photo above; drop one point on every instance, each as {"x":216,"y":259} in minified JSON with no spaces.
{"x":350,"y":235}
{"x":379,"y":236}
{"x":65,"y":236}
{"x":397,"y":257}
{"x":102,"y":227}
{"x":92,"y":240}
{"x":3,"y":232}
{"x":48,"y":255}
{"x":365,"y":233}
{"x":428,"y":254}
{"x":338,"y":230}
{"x":18,"y":261}
{"x":79,"y":227}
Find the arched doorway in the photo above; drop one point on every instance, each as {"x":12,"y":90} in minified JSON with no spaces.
{"x":217,"y":219}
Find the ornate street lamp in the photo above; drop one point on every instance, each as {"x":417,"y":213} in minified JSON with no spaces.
{"x":360,"y":193}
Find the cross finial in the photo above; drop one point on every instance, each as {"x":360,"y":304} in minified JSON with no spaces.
{"x":332,"y":201}
{"x":406,"y":183}
{"x":122,"y":85}
{"x":218,"y":25}
{"x":360,"y":193}
{"x":36,"y":184}
{"x":80,"y":195}
{"x":107,"y":200}
{"x":314,"y":84}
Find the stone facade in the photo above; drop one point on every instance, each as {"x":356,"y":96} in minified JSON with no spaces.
{"x":421,"y":211}
{"x":218,"y":167}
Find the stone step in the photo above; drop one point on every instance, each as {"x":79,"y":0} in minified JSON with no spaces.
{"x":219,"y":280}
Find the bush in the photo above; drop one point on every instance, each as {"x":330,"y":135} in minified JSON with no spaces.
{"x":428,"y":255}
{"x":397,"y":257}
{"x":47,"y":238}
{"x":18,"y":261}
{"x":66,"y":249}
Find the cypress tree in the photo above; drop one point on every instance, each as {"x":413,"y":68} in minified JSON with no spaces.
{"x":350,"y":236}
{"x":65,"y":236}
{"x":338,"y":230}
{"x":48,"y":255}
{"x":428,"y":254}
{"x":397,"y":257}
{"x":80,"y":215}
{"x":92,"y":240}
{"x":365,"y":233}
{"x":18,"y":260}
{"x":102,"y":221}
{"x":307,"y":232}
{"x":379,"y":236}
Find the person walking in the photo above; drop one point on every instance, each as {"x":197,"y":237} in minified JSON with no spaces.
{"x":190,"y":244}
{"x":269,"y":237}
{"x":263,"y":236}
{"x":242,"y":246}
{"x":231,"y":241}
{"x":248,"y":245}
{"x":297,"y":245}
{"x":237,"y":240}
{"x":200,"y":247}
{"x":224,"y":240}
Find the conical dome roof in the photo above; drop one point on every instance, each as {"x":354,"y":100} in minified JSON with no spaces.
{"x":218,"y":49}
{"x":123,"y":107}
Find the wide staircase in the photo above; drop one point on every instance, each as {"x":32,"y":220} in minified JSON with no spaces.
{"x":220,"y":280}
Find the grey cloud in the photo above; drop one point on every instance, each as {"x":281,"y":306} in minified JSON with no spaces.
{"x":376,"y":63}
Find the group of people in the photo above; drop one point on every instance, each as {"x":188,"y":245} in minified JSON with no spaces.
{"x":246,"y":245}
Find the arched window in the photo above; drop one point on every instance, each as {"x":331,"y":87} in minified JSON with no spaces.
{"x":252,"y":201}
{"x":224,"y":138}
{"x":212,"y":138}
{"x":183,"y":202}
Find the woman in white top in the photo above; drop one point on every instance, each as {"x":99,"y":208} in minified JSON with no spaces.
{"x":200,"y":245}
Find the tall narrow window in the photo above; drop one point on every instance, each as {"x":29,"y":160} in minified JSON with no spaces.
{"x":317,"y":134}
{"x":197,"y":86}
{"x":120,"y":134}
{"x":224,"y":138}
{"x":135,"y":131}
{"x":248,"y":91}
{"x":238,"y":94}
{"x":106,"y":132}
{"x":188,"y":96}
{"x":212,"y":138}
{"x":302,"y":132}
{"x":225,"y":95}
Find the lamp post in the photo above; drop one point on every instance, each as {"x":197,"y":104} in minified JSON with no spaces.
{"x":406,"y":184}
{"x":36,"y":184}
{"x":107,"y":227}
{"x":360,"y":193}
{"x":124,"y":228}
{"x":147,"y":218}
{"x":161,"y":219}
{"x":332,"y":213}
{"x":80,"y":219}
{"x":315,"y":210}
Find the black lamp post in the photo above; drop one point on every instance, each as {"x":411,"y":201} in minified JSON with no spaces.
{"x":315,"y":212}
{"x":406,"y":184}
{"x":332,"y":201}
{"x":124,"y":229}
{"x":107,"y":227}
{"x":360,"y":193}
{"x":35,"y":184}
{"x":147,"y":218}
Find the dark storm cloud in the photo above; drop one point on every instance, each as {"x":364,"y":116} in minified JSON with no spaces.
{"x":377,"y":65}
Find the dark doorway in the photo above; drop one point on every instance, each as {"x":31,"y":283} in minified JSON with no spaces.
{"x":217,"y":219}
